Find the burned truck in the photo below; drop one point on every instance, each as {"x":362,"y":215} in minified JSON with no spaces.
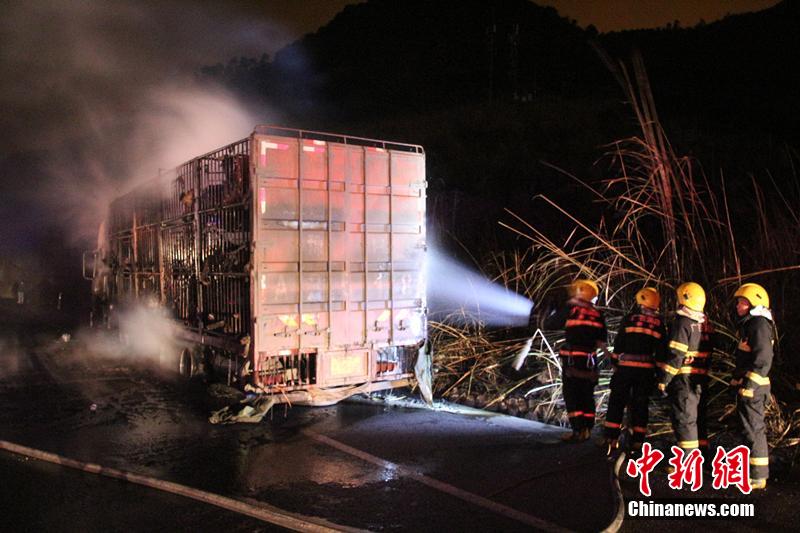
{"x":289,"y":263}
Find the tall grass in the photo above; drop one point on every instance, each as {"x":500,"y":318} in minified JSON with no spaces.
{"x":671,"y":223}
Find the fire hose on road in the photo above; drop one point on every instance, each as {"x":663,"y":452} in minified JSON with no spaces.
{"x":261,"y":512}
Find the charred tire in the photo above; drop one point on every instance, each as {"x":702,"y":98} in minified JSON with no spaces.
{"x":187,"y":364}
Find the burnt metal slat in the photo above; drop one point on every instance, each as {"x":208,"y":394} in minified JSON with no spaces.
{"x":300,"y":176}
{"x":197,"y":247}
{"x":330,"y":247}
{"x":364,"y":228}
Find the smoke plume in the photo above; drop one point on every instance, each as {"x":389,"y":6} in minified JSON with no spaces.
{"x":104,"y":94}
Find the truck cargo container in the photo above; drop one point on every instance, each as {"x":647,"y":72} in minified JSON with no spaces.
{"x":290,"y":263}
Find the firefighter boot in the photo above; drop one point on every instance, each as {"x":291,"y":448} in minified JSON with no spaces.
{"x":758,"y":484}
{"x":577,"y":435}
{"x":609,"y":445}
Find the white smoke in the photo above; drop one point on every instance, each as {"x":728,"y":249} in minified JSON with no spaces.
{"x":455,"y":290}
{"x":101,"y":95}
{"x":175,"y":123}
{"x":97,"y":98}
{"x":12,"y":357}
{"x":146,"y":338}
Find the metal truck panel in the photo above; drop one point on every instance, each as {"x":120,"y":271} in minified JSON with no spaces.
{"x":296,"y":256}
{"x":339,"y":251}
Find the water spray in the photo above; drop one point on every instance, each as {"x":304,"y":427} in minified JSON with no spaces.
{"x":452,"y":287}
{"x":522,"y":354}
{"x":525,"y":350}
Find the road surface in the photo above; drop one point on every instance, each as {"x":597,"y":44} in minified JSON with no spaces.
{"x":367,"y":466}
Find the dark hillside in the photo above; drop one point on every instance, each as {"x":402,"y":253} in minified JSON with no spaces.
{"x":492,"y":88}
{"x":387,"y":56}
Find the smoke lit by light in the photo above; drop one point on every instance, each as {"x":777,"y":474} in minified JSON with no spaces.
{"x":111,"y":96}
{"x":452,"y":288}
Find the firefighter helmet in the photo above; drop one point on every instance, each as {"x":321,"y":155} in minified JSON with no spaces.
{"x":753,"y":293}
{"x":585,"y":289}
{"x":691,"y":295}
{"x":648,"y":297}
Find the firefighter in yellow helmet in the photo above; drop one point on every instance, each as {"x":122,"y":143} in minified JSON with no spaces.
{"x":750,"y":377}
{"x":701,"y":363}
{"x":585,"y":332}
{"x":680,"y":375}
{"x":640,"y":336}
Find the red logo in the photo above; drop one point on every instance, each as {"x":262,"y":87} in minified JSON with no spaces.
{"x":732,"y":468}
{"x":644,"y":465}
{"x":728,"y":468}
{"x":687,"y":468}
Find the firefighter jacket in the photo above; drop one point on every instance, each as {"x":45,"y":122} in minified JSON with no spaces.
{"x":584,"y":326}
{"x":701,"y":362}
{"x":754,"y":352}
{"x":683,"y":343}
{"x":640,"y":336}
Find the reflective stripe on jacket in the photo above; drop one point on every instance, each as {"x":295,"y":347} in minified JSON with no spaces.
{"x":639,"y":338}
{"x":683,"y":342}
{"x":754,"y":354}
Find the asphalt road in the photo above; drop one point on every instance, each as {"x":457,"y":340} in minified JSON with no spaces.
{"x":358,"y":465}
{"x":38,"y":496}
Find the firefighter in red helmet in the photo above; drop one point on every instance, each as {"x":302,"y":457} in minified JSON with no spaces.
{"x":585,"y":332}
{"x":750,"y":377}
{"x":640,"y":337}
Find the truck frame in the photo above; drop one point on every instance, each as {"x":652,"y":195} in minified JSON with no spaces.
{"x":290,"y":262}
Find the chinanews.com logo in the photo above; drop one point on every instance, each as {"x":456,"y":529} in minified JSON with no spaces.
{"x":729,"y":469}
{"x":694,"y":509}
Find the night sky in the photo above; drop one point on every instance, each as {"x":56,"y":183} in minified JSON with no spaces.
{"x":633,"y":14}
{"x":303,"y":16}
{"x":93,"y":91}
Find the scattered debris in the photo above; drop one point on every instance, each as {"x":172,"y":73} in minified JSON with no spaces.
{"x":226,"y":392}
{"x":424,"y":374}
{"x":247,"y":412}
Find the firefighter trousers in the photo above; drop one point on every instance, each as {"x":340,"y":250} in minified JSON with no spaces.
{"x":684,"y":398}
{"x":579,"y":399}
{"x":629,"y":387}
{"x":751,"y":414}
{"x":702,"y":409}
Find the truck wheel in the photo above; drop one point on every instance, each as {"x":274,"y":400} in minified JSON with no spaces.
{"x":187,"y":366}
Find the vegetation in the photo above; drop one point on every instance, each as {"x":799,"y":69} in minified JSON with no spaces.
{"x":512,"y":101}
{"x":664,"y":221}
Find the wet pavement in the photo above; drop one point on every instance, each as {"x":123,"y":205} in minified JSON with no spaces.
{"x":38,"y":496}
{"x":359,"y":465}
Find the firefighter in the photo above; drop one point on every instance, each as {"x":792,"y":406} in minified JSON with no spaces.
{"x":750,"y":378}
{"x":702,"y":362}
{"x":639,"y":338}
{"x":681,"y":374}
{"x":585,"y":332}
